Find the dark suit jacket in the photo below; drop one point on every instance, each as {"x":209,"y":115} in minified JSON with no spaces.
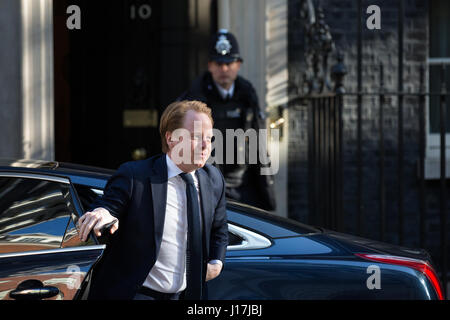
{"x":136,"y":194}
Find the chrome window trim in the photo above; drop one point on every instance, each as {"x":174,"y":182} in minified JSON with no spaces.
{"x":52,"y":251}
{"x":250,"y":240}
{"x":97,"y":191}
{"x":34,"y":176}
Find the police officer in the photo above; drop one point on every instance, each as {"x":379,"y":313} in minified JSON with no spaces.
{"x":234,"y":103}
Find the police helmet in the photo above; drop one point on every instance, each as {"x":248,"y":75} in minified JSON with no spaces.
{"x":224,"y":48}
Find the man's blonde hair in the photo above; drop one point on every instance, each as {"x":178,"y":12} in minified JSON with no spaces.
{"x":173,"y":117}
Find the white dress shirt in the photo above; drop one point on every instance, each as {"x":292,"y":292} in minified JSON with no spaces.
{"x":224,"y":92}
{"x":168,"y":275}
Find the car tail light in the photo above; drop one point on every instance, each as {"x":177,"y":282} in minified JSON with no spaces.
{"x":416,"y":264}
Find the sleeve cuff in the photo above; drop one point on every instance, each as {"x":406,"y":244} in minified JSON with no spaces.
{"x":216,"y":261}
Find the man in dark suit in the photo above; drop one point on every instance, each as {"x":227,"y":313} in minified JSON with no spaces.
{"x":154,"y":253}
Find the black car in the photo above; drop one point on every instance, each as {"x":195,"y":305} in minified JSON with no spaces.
{"x":41,"y":256}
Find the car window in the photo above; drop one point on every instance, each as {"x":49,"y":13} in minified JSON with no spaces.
{"x":71,"y":238}
{"x":34,"y":214}
{"x":241,"y":238}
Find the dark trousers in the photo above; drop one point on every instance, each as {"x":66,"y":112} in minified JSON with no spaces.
{"x":145,"y":293}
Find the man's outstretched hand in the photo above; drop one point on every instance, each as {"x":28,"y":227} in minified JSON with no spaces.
{"x":95,"y":220}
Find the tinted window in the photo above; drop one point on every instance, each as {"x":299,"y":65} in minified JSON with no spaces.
{"x":86,"y":195}
{"x":439,"y":48}
{"x":34,"y":214}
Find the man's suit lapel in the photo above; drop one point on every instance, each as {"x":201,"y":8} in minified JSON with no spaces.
{"x":158,"y":181}
{"x":206,"y":203}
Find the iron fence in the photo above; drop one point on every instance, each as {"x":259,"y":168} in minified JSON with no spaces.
{"x":326,"y":165}
{"x":326,"y":147}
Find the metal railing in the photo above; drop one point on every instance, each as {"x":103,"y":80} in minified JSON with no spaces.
{"x":326,"y":148}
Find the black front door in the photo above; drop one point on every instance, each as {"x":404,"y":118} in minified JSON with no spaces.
{"x":116,"y":74}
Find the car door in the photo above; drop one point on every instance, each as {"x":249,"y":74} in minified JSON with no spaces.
{"x":41,"y":256}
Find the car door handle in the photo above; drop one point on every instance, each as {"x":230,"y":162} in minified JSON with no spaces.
{"x":33,"y":290}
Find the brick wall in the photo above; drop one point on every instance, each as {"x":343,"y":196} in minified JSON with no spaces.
{"x":379,"y":46}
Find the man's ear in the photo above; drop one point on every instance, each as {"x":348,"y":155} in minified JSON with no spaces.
{"x":169,"y":140}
